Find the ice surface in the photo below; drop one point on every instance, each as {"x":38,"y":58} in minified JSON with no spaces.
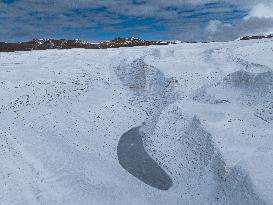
{"x":205,"y":113}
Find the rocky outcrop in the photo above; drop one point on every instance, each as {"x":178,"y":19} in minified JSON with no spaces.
{"x":43,"y":44}
{"x":256,"y":37}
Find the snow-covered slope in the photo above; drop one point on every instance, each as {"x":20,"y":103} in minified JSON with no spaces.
{"x":198,"y":119}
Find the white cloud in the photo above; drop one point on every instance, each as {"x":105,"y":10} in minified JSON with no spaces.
{"x":218,"y":31}
{"x":261,"y":11}
{"x":259,"y":20}
{"x":214,"y":26}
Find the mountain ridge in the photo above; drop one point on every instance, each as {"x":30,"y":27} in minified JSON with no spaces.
{"x":256,"y":37}
{"x":44,"y":44}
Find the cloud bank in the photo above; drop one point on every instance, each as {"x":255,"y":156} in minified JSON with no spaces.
{"x":259,"y":20}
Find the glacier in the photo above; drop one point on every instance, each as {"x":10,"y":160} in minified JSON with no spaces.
{"x":187,"y":123}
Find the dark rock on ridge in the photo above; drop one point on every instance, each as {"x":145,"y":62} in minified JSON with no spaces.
{"x":43,"y":44}
{"x":256,"y":37}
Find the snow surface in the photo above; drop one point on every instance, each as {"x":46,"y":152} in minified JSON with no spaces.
{"x":205,"y":113}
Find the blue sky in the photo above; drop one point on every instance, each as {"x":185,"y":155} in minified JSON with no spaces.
{"x":195,"y":20}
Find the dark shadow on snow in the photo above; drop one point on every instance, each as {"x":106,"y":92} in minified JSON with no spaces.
{"x":133,"y":158}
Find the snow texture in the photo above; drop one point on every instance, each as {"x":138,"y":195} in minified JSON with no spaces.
{"x":201,"y":116}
